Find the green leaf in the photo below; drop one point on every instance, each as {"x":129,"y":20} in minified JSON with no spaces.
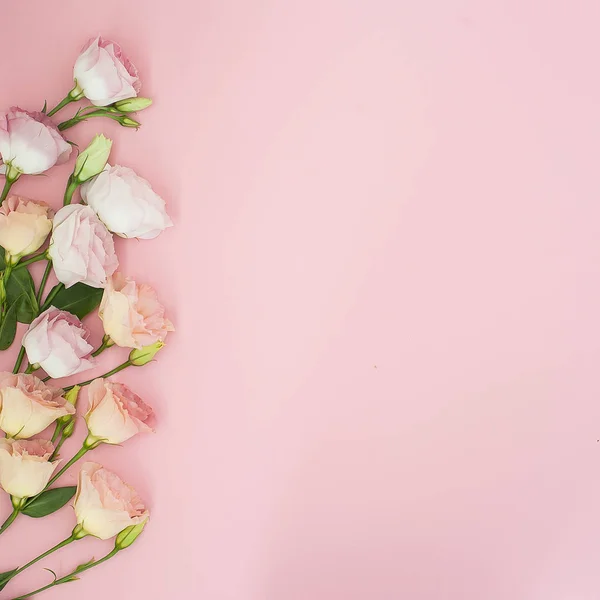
{"x":20,"y":283}
{"x":8,"y":327}
{"x":84,"y":566}
{"x":6,"y":577}
{"x":49,"y":501}
{"x":79,"y":299}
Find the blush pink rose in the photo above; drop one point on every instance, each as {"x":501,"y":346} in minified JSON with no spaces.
{"x":81,"y":248}
{"x":104,"y":74}
{"x":28,"y":405}
{"x":25,"y":466}
{"x":105,"y":505}
{"x":24,"y":225}
{"x":131,"y":313}
{"x":30,"y":142}
{"x":57,"y":341}
{"x":115,"y":413}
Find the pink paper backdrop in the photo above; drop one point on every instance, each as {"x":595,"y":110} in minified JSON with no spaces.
{"x":384,"y":383}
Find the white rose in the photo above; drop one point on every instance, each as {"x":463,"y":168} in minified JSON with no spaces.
{"x":126,"y":203}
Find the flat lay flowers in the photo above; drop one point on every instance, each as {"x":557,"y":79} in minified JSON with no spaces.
{"x":74,"y":238}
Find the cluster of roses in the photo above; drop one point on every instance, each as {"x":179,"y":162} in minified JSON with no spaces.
{"x":81,"y":253}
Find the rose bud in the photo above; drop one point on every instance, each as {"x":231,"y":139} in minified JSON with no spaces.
{"x":25,"y":466}
{"x":28,"y":405}
{"x":93,"y":159}
{"x":81,"y":248}
{"x":105,"y":505}
{"x":30,"y":142}
{"x":24,"y":226}
{"x":116,"y":413}
{"x":126,"y":203}
{"x":104,"y":74}
{"x":57,"y":342}
{"x":131,"y":313}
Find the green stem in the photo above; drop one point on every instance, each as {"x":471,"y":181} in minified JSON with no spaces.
{"x":4,"y":276}
{"x":75,"y":94}
{"x":53,"y":292}
{"x":19,"y":360}
{"x":7,"y":185}
{"x":69,"y":464}
{"x":80,"y":118}
{"x":9,"y":521}
{"x":57,"y":431}
{"x":107,"y":374}
{"x":106,"y":343}
{"x":71,"y":576}
{"x":45,"y":276}
{"x":71,"y":187}
{"x":31,"y":260}
{"x":58,"y":447}
{"x":58,"y":546}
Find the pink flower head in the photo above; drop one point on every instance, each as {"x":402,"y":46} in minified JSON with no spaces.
{"x":104,"y":504}
{"x":131,"y":313}
{"x":30,"y":142}
{"x":104,"y":74}
{"x":57,"y":341}
{"x":25,"y":466}
{"x":81,"y":248}
{"x":116,"y":413}
{"x":28,"y":405}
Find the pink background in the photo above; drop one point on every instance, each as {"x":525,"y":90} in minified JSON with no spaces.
{"x":384,"y":276}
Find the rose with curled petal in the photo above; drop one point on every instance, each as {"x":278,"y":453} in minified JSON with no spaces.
{"x":57,"y":341}
{"x":104,"y":504}
{"x":131,"y":313}
{"x":104,"y":74}
{"x":30,"y":142}
{"x":24,"y":225}
{"x":25,"y":466}
{"x":28,"y":405}
{"x":115,"y":413}
{"x":126,"y":203}
{"x":81,"y":248}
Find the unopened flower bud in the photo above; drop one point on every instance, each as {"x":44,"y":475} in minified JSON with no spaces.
{"x":127,"y":122}
{"x":93,"y":159}
{"x":142,"y":356}
{"x":132,"y":104}
{"x":129,"y":535}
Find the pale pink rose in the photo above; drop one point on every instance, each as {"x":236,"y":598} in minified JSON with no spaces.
{"x":115,"y":413}
{"x":131,"y":313}
{"x":24,"y":225}
{"x":81,"y":248}
{"x":57,"y":341}
{"x":28,"y":405}
{"x":104,"y":74}
{"x":126,"y":203}
{"x":30,"y":142}
{"x":104,"y":505}
{"x":25,"y":466}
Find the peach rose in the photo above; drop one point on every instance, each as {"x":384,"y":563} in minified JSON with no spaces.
{"x":25,"y":466}
{"x":57,"y":341}
{"x":115,"y":412}
{"x":28,"y":405}
{"x":24,"y":225}
{"x":30,"y":142}
{"x":131,"y":313}
{"x":104,"y":74}
{"x":81,"y":248}
{"x":104,"y":505}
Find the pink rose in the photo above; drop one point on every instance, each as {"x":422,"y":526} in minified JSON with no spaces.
{"x":104,"y":74}
{"x":131,"y":313}
{"x":25,"y":466}
{"x":104,"y":505}
{"x":81,"y":248}
{"x":28,"y":405}
{"x":57,"y":341}
{"x":30,"y":142}
{"x":116,"y":413}
{"x":126,"y":203}
{"x":24,"y":225}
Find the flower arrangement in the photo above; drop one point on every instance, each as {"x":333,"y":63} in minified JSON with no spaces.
{"x":76,"y":242}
